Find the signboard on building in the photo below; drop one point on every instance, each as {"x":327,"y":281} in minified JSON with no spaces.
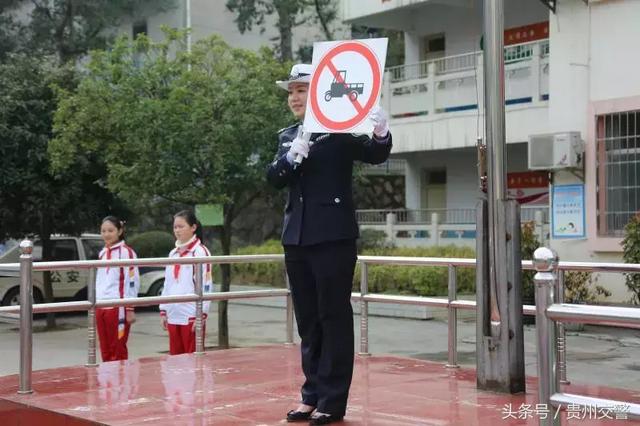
{"x":345,"y":86}
{"x":568,"y":211}
{"x":530,"y":188}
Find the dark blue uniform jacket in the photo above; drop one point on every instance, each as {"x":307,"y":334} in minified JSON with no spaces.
{"x":320,"y":203}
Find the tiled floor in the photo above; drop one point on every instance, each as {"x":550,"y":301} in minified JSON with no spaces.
{"x":257,"y":386}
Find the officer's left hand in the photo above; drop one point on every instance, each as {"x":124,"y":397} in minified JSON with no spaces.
{"x":379,"y":118}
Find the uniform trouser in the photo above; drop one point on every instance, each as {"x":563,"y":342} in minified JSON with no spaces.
{"x":111,"y":348}
{"x":182,"y":340}
{"x":321,"y":279}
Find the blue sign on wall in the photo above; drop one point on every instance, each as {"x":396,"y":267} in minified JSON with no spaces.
{"x":568,"y":211}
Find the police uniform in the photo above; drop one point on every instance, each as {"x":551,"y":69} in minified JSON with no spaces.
{"x":319,"y":238}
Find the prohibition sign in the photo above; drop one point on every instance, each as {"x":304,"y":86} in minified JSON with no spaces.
{"x":361,"y":111}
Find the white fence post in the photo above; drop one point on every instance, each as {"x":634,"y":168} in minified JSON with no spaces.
{"x":391,"y":221}
{"x":435,"y":228}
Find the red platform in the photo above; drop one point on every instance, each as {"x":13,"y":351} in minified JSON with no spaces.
{"x":257,"y":386}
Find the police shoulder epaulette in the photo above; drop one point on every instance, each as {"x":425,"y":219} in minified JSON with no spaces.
{"x":287,"y":128}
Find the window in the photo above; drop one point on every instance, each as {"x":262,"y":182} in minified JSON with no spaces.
{"x":60,"y":250}
{"x":139,"y":27}
{"x":618,"y":172}
{"x":92,"y":247}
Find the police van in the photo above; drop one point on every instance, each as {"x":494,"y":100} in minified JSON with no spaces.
{"x":66,"y":285}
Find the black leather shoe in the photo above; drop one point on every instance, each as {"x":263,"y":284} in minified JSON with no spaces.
{"x":324,"y":419}
{"x":298,"y":416}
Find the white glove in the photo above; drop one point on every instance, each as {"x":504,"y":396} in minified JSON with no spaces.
{"x":299,"y":149}
{"x":379,"y":118}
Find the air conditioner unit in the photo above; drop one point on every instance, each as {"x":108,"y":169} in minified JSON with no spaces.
{"x":555,"y":151}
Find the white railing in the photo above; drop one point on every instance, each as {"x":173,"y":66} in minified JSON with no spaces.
{"x":393,"y":166}
{"x":445,"y":216}
{"x":456,"y":63}
{"x":433,"y":227}
{"x":454,"y":83}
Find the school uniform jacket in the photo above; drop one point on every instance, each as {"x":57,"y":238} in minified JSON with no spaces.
{"x":181,"y":279}
{"x":117,"y":283}
{"x":320,"y":204}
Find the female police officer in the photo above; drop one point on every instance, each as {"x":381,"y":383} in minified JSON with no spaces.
{"x":319,"y":239}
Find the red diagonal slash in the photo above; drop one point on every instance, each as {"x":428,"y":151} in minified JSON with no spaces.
{"x":340,"y":80}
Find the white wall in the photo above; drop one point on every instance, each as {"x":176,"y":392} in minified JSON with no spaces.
{"x":615,"y":44}
{"x":462,"y":176}
{"x":593,"y":58}
{"x":212,"y":17}
{"x":462,"y":26}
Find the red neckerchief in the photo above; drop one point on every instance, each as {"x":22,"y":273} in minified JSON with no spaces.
{"x":183,"y":252}
{"x":114,"y":247}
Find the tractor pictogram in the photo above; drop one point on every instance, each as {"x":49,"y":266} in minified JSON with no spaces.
{"x":340,"y":87}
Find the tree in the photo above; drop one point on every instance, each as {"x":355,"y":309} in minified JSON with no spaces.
{"x":32,"y":201}
{"x":70,"y":28}
{"x":9,"y":28}
{"x":189,"y":134}
{"x":631,"y":254}
{"x":289,"y":14}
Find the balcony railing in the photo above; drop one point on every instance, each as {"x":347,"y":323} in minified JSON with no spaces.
{"x":393,"y":166}
{"x":454,"y":83}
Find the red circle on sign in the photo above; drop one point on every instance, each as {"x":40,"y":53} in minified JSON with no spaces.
{"x":324,"y":63}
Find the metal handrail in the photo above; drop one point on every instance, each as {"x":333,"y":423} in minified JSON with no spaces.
{"x":265,"y":258}
{"x":151,"y":261}
{"x":555,"y":312}
{"x":548,"y":311}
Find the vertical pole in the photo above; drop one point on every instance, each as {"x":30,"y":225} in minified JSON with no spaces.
{"x":289,"y":337}
{"x":199,"y":328}
{"x":364,"y":310}
{"x":561,"y":332}
{"x":500,"y":348}
{"x":545,"y":261}
{"x":496,"y":153}
{"x":91,"y":320}
{"x":453,"y":319}
{"x":26,"y":317}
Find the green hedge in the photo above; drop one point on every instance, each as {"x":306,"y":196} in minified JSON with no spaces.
{"x":271,"y":274}
{"x":152,"y":243}
{"x":413,"y":280}
{"x":417,"y":280}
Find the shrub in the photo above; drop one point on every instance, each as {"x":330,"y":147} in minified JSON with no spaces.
{"x":152,"y":243}
{"x":270,"y":273}
{"x":412,"y":280}
{"x":580,"y":287}
{"x":528,"y":244}
{"x":372,"y":239}
{"x":422,"y":281}
{"x":631,"y":254}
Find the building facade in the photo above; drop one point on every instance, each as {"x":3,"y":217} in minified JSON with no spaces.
{"x":567,"y":70}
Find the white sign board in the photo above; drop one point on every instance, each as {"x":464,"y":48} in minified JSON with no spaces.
{"x":345,"y":85}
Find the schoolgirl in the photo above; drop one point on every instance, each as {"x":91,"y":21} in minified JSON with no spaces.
{"x":179,"y":318}
{"x":114,"y":323}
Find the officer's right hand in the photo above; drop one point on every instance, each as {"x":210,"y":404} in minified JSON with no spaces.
{"x":299,"y":147}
